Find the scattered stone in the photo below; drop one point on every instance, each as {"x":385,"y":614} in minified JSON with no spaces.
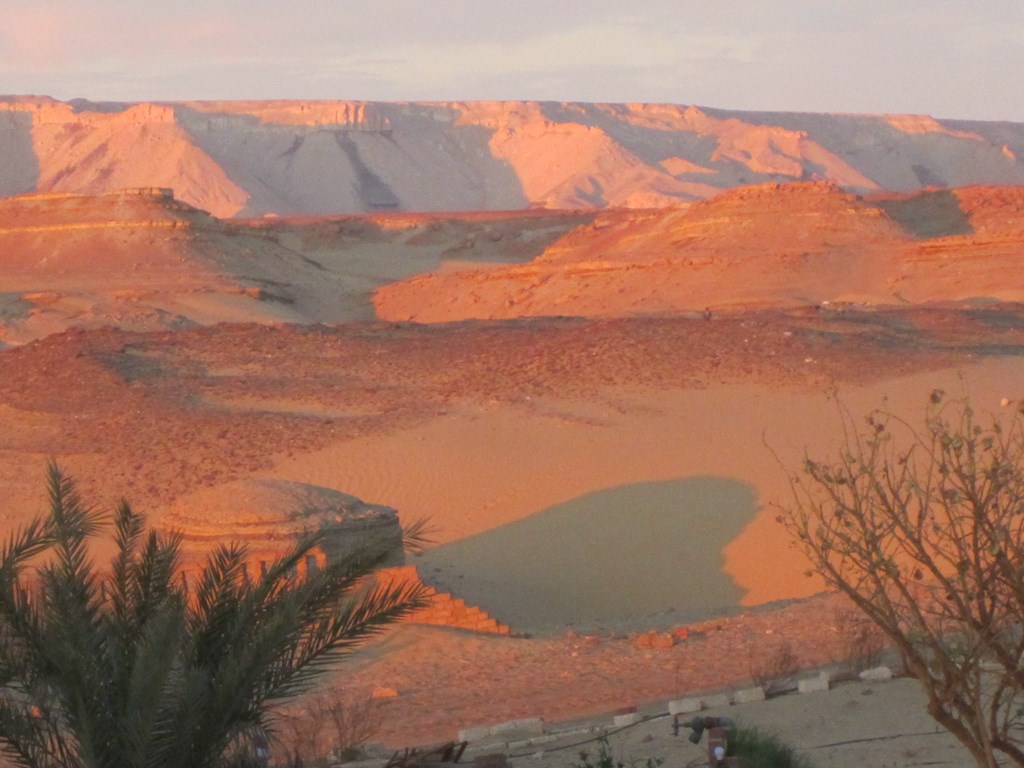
{"x":662,"y":641}
{"x":819,"y":682}
{"x":716,"y":701}
{"x":876,"y":674}
{"x":524,"y":725}
{"x":476,"y":733}
{"x":747,"y":695}
{"x":632,"y":718}
{"x":684,"y":706}
{"x":652,"y":639}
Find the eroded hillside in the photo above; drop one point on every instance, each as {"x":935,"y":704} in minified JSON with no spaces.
{"x":142,"y":260}
{"x":250,"y":158}
{"x":767,"y":246}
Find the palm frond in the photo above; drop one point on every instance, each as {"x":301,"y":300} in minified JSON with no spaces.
{"x":134,"y":668}
{"x":32,"y":736}
{"x":128,"y":529}
{"x":147,"y":725}
{"x":22,"y":545}
{"x":332,"y":631}
{"x":418,"y":535}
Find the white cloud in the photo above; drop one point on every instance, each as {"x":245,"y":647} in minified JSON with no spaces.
{"x":550,"y":60}
{"x":939,"y":56}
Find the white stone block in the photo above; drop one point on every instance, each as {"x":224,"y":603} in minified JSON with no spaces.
{"x":476,"y":733}
{"x":523,"y":725}
{"x":546,"y":738}
{"x":819,"y":682}
{"x":684,"y":706}
{"x":530,"y":725}
{"x":747,"y":695}
{"x":718,"y":701}
{"x":876,"y":674}
{"x":630,"y":718}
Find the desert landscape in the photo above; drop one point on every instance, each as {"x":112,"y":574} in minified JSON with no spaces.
{"x":586,"y":341}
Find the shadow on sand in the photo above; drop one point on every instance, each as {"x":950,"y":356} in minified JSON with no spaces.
{"x":639,"y":556}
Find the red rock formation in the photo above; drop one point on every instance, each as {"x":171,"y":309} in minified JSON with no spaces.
{"x":351,"y":115}
{"x":769,"y":245}
{"x":140,"y":146}
{"x":268,"y":516}
{"x":317,"y":157}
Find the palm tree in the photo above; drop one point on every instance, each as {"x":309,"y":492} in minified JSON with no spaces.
{"x":134,"y":667}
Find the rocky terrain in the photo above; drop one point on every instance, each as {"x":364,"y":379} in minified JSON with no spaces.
{"x":595,"y":408}
{"x":766,"y":246}
{"x":143,"y":260}
{"x":239,"y":158}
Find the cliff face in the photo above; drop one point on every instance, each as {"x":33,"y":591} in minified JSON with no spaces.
{"x":100,"y":151}
{"x":292,"y":157}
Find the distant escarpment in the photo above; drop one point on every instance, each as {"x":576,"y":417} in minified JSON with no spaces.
{"x":773,"y":245}
{"x":252,"y":158}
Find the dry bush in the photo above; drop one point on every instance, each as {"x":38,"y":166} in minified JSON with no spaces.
{"x":921,"y":525}
{"x":772,"y":669}
{"x":332,"y":724}
{"x":861,"y":642}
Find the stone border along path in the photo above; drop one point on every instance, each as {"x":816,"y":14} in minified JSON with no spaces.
{"x":541,"y":736}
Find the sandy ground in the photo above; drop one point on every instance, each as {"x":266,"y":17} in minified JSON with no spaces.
{"x":695,"y":467}
{"x":588,"y":479}
{"x":516,"y":440}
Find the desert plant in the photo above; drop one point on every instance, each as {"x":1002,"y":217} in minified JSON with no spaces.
{"x":861,"y":641}
{"x":335,"y":722}
{"x":606,"y":759}
{"x":922,"y":527}
{"x":772,"y":669}
{"x":762,"y":749}
{"x":134,"y":667}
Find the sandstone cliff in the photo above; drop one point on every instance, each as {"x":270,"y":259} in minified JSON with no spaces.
{"x":320,"y":157}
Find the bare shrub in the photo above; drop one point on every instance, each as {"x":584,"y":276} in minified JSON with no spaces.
{"x":772,"y":669}
{"x":921,"y":526}
{"x":333,"y":724}
{"x":861,"y":642}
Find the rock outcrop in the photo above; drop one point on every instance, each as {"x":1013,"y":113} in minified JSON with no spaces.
{"x":268,"y":516}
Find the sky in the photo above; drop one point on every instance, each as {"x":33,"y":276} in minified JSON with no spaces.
{"x":949,"y":59}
